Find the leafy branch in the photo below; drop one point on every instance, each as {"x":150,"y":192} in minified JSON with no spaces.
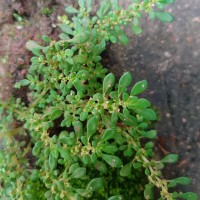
{"x":87,"y":131}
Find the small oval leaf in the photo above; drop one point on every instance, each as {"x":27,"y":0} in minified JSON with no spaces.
{"x":92,"y":125}
{"x":78,"y":173}
{"x":71,"y":10}
{"x":179,"y":180}
{"x":108,"y":134}
{"x":126,"y":169}
{"x":52,"y":161}
{"x":113,"y":161}
{"x":189,"y":196}
{"x":171,"y":158}
{"x":147,"y":113}
{"x":95,"y":184}
{"x":164,"y":17}
{"x":136,"y":30}
{"x":118,"y":197}
{"x":139,"y":87}
{"x":56,"y":114}
{"x":124,"y":82}
{"x":108,"y":82}
{"x":80,"y":38}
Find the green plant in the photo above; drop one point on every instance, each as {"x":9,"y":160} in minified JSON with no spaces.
{"x":47,"y":11}
{"x":90,"y":137}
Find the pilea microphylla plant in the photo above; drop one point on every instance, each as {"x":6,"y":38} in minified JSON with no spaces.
{"x":83,"y":135}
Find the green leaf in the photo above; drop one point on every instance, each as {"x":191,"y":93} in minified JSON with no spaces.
{"x":48,"y":195}
{"x":151,"y":14}
{"x":113,"y":161}
{"x":95,"y":184}
{"x":113,"y":39}
{"x":52,"y":161}
{"x":171,"y":158}
{"x":164,"y":17}
{"x":80,"y":59}
{"x":147,"y":113}
{"x":128,"y":119}
{"x":99,"y":48}
{"x":81,"y":3}
{"x":124,"y":82}
{"x":114,"y":118}
{"x":80,"y":38}
{"x":125,"y":97}
{"x":66,"y":29}
{"x":105,"y":7}
{"x":189,"y":196}
{"x":160,"y":6}
{"x":34,"y":175}
{"x":83,"y":74}
{"x":1,"y":157}
{"x":78,"y":85}
{"x":93,"y":157}
{"x":55,"y":151}
{"x":83,"y":116}
{"x":126,"y":169}
{"x":142,"y":103}
{"x":128,"y":152}
{"x":139,"y":87}
{"x":37,"y":148}
{"x":114,"y":95}
{"x":101,"y":166}
{"x":117,"y":197}
{"x":123,"y":39}
{"x":71,"y":10}
{"x":136,"y":30}
{"x":70,"y":141}
{"x":78,"y":173}
{"x":46,"y":38}
{"x":166,"y":1}
{"x":31,"y":45}
{"x":149,"y":145}
{"x":65,"y":139}
{"x":64,"y":153}
{"x":89,"y":5}
{"x":78,"y":127}
{"x":84,"y":140}
{"x":111,"y":149}
{"x":150,"y":134}
{"x":24,"y":82}
{"x":108,"y":82}
{"x":86,"y":159}
{"x":92,"y":126}
{"x":98,"y":97}
{"x":179,"y":180}
{"x":136,"y":21}
{"x":80,"y":193}
{"x":69,"y":53}
{"x":108,"y":134}
{"x":56,"y":114}
{"x":73,"y":167}
{"x":115,"y":4}
{"x":148,"y":192}
{"x":137,"y":165}
{"x":64,"y":36}
{"x":70,"y":61}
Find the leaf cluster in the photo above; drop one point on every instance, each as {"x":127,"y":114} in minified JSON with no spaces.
{"x":85,"y":135}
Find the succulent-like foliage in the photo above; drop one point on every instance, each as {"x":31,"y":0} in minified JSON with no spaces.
{"x":84,"y":135}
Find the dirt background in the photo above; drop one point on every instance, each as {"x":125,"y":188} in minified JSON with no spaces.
{"x":167,"y":55}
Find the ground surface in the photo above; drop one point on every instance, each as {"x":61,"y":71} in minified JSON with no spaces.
{"x":168,"y":56}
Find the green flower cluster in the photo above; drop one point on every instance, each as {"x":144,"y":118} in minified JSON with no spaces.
{"x":83,"y":135}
